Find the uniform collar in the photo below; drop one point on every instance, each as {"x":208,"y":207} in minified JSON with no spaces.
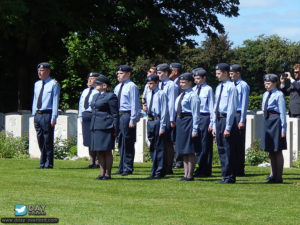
{"x":47,"y":80}
{"x":126,"y":81}
{"x":238,"y":81}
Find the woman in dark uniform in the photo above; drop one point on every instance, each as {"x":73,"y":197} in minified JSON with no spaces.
{"x":273,"y":137}
{"x":187,"y":121}
{"x":104,"y":125}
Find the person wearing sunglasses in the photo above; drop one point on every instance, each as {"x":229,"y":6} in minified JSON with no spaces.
{"x":293,"y":91}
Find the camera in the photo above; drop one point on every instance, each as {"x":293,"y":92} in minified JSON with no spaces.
{"x":285,"y":68}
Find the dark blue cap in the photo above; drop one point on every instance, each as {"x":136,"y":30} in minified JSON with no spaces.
{"x":102,"y":80}
{"x":186,"y":76}
{"x":270,"y":77}
{"x":93,"y":74}
{"x":223,"y":66}
{"x":44,"y":65}
{"x":199,"y":72}
{"x":152,"y":77}
{"x":124,"y":68}
{"x":163,"y":67}
{"x":175,"y":65}
{"x":235,"y":68}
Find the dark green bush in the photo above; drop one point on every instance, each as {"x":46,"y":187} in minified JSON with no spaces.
{"x":255,"y":102}
{"x":65,"y":148}
{"x":256,"y":155}
{"x":13,"y":147}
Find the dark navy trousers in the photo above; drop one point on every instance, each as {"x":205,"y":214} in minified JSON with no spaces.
{"x":204,"y":149}
{"x":227,"y":153}
{"x":127,"y":138}
{"x":45,"y":134}
{"x":157,"y":148}
{"x":239,"y":145}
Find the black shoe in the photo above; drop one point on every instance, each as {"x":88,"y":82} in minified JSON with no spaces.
{"x":99,"y":177}
{"x":189,"y":179}
{"x":106,"y":178}
{"x":150,"y":177}
{"x":158,"y":177}
{"x":272,"y":180}
{"x":269,"y":178}
{"x":91,"y":166}
{"x":226,"y":182}
{"x":117,"y":173}
{"x":96,"y":166}
{"x":183,"y":179}
{"x":126,"y":173}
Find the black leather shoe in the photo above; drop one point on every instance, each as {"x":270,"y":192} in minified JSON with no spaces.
{"x":126,"y":173}
{"x":91,"y":166}
{"x":99,"y":177}
{"x":183,"y":179}
{"x":150,"y":177}
{"x":117,"y":173}
{"x":269,"y":178}
{"x":226,"y":182}
{"x":106,"y":178}
{"x":189,"y":179}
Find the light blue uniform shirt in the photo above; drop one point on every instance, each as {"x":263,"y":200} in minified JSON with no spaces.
{"x":206,"y":100}
{"x":228,"y":103}
{"x":190,"y":104}
{"x":276,"y":103}
{"x":82,"y":99}
{"x":171,"y":91}
{"x":50,"y":99}
{"x":159,"y":107}
{"x":129,"y":99}
{"x":146,"y":90}
{"x":243,"y":94}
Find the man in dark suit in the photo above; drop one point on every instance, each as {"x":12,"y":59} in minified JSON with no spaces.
{"x":293,"y":91}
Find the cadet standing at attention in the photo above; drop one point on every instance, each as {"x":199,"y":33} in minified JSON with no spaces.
{"x":171,"y":91}
{"x":157,"y":111}
{"x":187,"y":124}
{"x":85,"y":115}
{"x":274,"y":134}
{"x":240,"y":117}
{"x":226,"y":101}
{"x":204,"y":151}
{"x":129,"y":109}
{"x":45,"y":112}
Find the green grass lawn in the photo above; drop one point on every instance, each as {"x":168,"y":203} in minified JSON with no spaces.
{"x":72,"y":194}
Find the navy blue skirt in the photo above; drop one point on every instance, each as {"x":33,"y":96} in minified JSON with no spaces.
{"x":271,"y":140}
{"x":185,"y":144}
{"x":86,"y":130}
{"x":102,"y":140}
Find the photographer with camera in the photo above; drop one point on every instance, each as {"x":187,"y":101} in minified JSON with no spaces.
{"x":293,"y":91}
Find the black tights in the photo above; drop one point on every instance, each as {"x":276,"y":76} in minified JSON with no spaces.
{"x":106,"y":161}
{"x":276,"y":159}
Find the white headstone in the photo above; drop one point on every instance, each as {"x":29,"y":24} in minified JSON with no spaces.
{"x":82,"y":151}
{"x":17,"y":124}
{"x":75,"y":111}
{"x":249,"y":131}
{"x":295,"y":136}
{"x":140,"y":140}
{"x":34,"y":150}
{"x":288,"y":153}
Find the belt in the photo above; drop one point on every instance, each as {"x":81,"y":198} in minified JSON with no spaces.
{"x":221,"y":115}
{"x":181,"y":115}
{"x":124,"y":112}
{"x":49,"y":111}
{"x":273,"y":113}
{"x":238,"y":112}
{"x":151,"y":118}
{"x":204,"y":114}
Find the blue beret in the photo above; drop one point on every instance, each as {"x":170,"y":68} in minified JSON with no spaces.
{"x":175,"y":65}
{"x":235,"y":68}
{"x":93,"y":74}
{"x":223,"y":66}
{"x":163,"y":67}
{"x":186,"y":76}
{"x":199,"y":72}
{"x":44,"y":65}
{"x":152,"y":77}
{"x":102,"y":80}
{"x":270,"y":77}
{"x":124,"y":68}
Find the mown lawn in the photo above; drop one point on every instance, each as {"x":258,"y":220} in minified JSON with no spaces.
{"x":72,"y":194}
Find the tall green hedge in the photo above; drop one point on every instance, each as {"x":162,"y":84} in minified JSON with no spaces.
{"x":255,"y":102}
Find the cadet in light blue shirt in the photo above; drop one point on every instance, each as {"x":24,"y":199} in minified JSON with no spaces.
{"x":205,"y":150}
{"x":224,"y":128}
{"x":240,"y":117}
{"x":157,"y":111}
{"x":45,"y":111}
{"x":273,"y":138}
{"x":187,"y":122}
{"x":129,"y":110}
{"x":151,"y":71}
{"x":85,"y":115}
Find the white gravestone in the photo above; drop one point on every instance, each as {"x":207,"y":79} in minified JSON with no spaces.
{"x":140,"y":140}
{"x":17,"y":124}
{"x":82,"y":151}
{"x":295,"y":137}
{"x":288,"y":153}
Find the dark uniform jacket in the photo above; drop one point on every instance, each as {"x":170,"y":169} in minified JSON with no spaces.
{"x":294,"y":92}
{"x":105,"y":114}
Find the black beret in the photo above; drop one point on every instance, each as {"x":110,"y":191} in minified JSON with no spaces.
{"x":270,"y":77}
{"x":163,"y":67}
{"x":124,"y":68}
{"x":186,"y":76}
{"x":152,"y":77}
{"x":102,"y":80}
{"x":175,"y":65}
{"x":199,"y":72}
{"x":235,"y":68}
{"x":93,"y":74}
{"x":44,"y":65}
{"x":223,"y":66}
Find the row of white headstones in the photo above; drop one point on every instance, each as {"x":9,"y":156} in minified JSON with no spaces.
{"x":68,"y":125}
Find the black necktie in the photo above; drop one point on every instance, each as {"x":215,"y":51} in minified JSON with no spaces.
{"x":119,"y":94}
{"x":39,"y":102}
{"x":218,"y":102}
{"x":266,"y":105}
{"x":86,"y":100}
{"x":235,"y":83}
{"x":162,"y":86}
{"x":179,"y":107}
{"x":199,"y":89}
{"x":151,"y":102}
